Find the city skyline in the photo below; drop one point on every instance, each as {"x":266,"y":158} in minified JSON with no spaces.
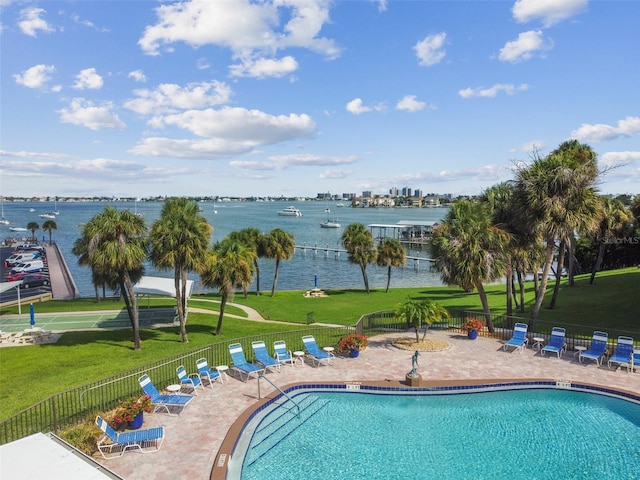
{"x":139,"y":99}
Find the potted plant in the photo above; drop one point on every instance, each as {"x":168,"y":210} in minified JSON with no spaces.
{"x":132,"y":410}
{"x":472,"y":325}
{"x":352,"y":344}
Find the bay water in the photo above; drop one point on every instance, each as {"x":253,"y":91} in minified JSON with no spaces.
{"x":303,"y":272}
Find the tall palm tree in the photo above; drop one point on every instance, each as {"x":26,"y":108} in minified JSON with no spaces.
{"x":179,"y":240}
{"x":416,"y":313}
{"x":279,"y":245}
{"x":117,"y":242}
{"x":254,"y":240}
{"x":391,"y":253}
{"x":98,"y":278}
{"x":361,"y":250}
{"x":33,"y":226}
{"x":48,"y":226}
{"x":469,"y":250}
{"x":613,"y":219}
{"x":227,"y":266}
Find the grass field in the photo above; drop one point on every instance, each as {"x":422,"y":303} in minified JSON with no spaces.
{"x":83,"y":356}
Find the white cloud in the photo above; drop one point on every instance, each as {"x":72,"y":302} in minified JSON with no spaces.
{"x":532,"y":146}
{"x":431,"y":50}
{"x":138,"y":76}
{"x":169,"y":97}
{"x":225,"y":132}
{"x":550,"y":12}
{"x":333,"y":174}
{"x":596,"y":133}
{"x":356,"y":107}
{"x":264,"y":67}
{"x":612,"y":159}
{"x":382,"y":5}
{"x":254,"y":32}
{"x":281,"y":162}
{"x":95,"y":117}
{"x":30,"y":22}
{"x":491,"y":92}
{"x":410,"y":104}
{"x":36,"y":76}
{"x":524,"y":47}
{"x":88,"y":79}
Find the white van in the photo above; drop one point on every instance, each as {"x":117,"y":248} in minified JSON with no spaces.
{"x":30,"y":266}
{"x":17,"y":258}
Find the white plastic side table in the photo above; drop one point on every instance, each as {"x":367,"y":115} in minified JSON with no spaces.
{"x":174,"y":388}
{"x":222,"y":369}
{"x":299,"y":355}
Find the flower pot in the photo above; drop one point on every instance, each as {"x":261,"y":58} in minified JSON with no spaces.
{"x":137,"y":421}
{"x":472,"y":334}
{"x":354,"y":352}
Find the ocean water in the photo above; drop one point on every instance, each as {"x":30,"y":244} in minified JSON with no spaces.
{"x":300,"y":273}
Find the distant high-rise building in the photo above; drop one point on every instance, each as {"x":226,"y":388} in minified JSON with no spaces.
{"x":393,"y":192}
{"x":367,"y":194}
{"x":417,"y":193}
{"x":406,"y":191}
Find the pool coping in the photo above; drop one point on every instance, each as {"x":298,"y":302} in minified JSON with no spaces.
{"x":223,"y":456}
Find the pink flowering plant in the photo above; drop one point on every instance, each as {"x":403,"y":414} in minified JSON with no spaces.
{"x":354,"y":341}
{"x":128,"y":409}
{"x":472,"y":323}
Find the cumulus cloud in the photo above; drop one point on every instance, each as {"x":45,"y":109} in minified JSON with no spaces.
{"x":410,"y":103}
{"x":532,"y":146}
{"x":550,"y":12}
{"x":169,"y":97}
{"x":333,"y":174}
{"x":282,"y":162}
{"x":356,"y":106}
{"x":254,"y":32}
{"x":88,"y":79}
{"x":430,"y":50}
{"x":225,"y":132}
{"x":31,"y":23}
{"x":36,"y":76}
{"x":138,"y":76}
{"x":614,"y":159}
{"x":491,"y":92}
{"x":524,"y":47}
{"x":597,"y":133}
{"x":86,"y":114}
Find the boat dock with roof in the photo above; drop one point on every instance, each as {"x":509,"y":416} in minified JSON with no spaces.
{"x":407,"y":232}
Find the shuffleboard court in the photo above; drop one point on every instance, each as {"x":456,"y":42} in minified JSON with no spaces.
{"x":111,"y":319}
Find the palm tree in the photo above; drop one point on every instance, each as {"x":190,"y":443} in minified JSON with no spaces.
{"x":179,"y":240}
{"x":614,"y":217}
{"x":227,"y":266}
{"x":33,"y":226}
{"x":358,"y":242}
{"x":279,"y":245}
{"x":254,"y":240}
{"x":117,"y":242}
{"x":98,"y":278}
{"x":48,"y":226}
{"x":469,"y":250}
{"x":391,"y":253}
{"x":416,"y":313}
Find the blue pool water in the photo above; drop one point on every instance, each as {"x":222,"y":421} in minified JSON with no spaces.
{"x":513,"y":434}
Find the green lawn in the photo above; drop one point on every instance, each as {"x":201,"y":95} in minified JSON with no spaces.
{"x":80,"y":357}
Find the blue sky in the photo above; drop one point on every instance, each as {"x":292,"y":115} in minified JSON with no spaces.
{"x":291,"y":97}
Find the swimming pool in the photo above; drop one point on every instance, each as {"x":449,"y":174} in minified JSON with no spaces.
{"x":525,"y":433}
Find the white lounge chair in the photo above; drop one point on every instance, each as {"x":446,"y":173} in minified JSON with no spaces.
{"x":113,"y":444}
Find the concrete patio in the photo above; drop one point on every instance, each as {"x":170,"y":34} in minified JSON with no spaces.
{"x":194,"y":437}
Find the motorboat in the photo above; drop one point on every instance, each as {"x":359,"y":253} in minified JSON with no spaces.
{"x":18,"y":229}
{"x":290,"y":212}
{"x":47,"y":215}
{"x":330,"y":224}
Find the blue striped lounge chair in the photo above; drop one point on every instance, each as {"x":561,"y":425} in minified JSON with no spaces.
{"x":519,"y":338}
{"x":191,"y":381}
{"x":205,"y":372}
{"x":263,"y":357}
{"x":634,"y":363}
{"x":556,"y":343}
{"x":240,"y":362}
{"x":316,"y":353}
{"x":624,"y":352}
{"x":282,"y":354}
{"x":597,"y":349}
{"x":160,"y":401}
{"x":113,"y":444}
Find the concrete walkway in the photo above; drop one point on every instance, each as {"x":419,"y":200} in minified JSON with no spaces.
{"x":194,"y":437}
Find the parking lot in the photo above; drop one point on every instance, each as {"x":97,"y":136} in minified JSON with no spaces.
{"x":29,"y":288}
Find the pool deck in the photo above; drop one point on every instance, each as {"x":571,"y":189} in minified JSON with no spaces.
{"x":194,"y":437}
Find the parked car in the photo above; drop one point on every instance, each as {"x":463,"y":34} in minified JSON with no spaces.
{"x":28,"y":267}
{"x":34,"y":280}
{"x":14,"y":277}
{"x":17,"y":258}
{"x":30,"y":246}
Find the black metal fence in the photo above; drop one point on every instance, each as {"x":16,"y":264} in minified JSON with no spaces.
{"x":65,"y":409}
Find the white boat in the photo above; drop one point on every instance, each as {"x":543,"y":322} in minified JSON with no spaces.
{"x":47,"y":215}
{"x":330,"y":224}
{"x":340,"y":205}
{"x":32,"y":209}
{"x":3,"y":221}
{"x":290,"y":212}
{"x":18,"y":229}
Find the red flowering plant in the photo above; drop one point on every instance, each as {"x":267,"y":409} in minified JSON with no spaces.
{"x":128,"y":409}
{"x":350,"y":342}
{"x":472,"y":323}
